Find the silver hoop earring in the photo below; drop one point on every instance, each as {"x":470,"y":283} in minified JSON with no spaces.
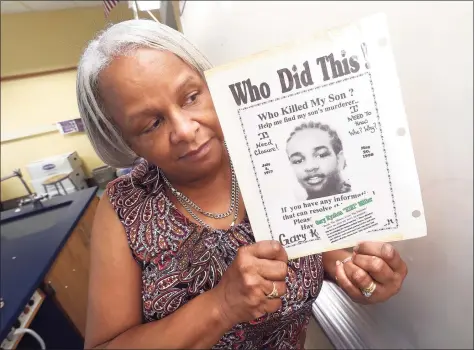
{"x":131,"y":179}
{"x":157,"y":183}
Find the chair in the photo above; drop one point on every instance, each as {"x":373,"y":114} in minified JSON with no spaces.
{"x":56,"y":181}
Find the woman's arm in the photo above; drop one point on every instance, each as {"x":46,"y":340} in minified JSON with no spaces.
{"x":114,"y":318}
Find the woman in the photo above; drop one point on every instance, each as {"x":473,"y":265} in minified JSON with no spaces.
{"x":174,"y":263}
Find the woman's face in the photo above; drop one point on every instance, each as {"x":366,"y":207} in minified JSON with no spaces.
{"x":164,"y":110}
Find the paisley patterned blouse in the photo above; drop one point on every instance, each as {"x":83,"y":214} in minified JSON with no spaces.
{"x":180,"y":260}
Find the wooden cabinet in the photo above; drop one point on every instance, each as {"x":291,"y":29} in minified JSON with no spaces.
{"x":69,"y":275}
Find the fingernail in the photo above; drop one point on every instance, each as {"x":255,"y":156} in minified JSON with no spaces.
{"x":275,"y":245}
{"x":338,"y":262}
{"x":355,"y":249}
{"x":388,"y":251}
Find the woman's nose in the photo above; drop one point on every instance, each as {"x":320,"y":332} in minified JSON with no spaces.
{"x":184,"y":128}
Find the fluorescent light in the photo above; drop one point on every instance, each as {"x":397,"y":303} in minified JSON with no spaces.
{"x":146,"y":5}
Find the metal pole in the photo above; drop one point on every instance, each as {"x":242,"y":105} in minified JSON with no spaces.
{"x":26,"y":186}
{"x":8,"y":177}
{"x":17,"y":173}
{"x":135,"y":9}
{"x":154,"y":18}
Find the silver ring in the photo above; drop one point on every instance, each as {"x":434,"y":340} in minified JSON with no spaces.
{"x":346,"y":259}
{"x":274,"y":294}
{"x":368,"y":292}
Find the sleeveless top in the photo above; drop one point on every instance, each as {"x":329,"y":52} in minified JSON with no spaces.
{"x":180,"y":260}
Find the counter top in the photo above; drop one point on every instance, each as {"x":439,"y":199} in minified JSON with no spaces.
{"x":30,"y":245}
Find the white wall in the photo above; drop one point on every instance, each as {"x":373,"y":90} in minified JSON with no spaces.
{"x":432,"y":44}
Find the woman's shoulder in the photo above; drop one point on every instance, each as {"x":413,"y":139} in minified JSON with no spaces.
{"x":145,"y":212}
{"x":142,"y":180}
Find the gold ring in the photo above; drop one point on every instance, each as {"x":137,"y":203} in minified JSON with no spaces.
{"x":367,"y":292}
{"x":274,"y":294}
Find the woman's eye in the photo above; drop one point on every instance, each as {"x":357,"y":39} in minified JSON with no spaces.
{"x":155,"y":125}
{"x":191,"y":98}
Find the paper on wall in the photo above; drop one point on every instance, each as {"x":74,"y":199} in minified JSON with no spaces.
{"x":70,"y":126}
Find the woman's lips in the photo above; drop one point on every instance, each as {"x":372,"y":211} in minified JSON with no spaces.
{"x":197,"y":153}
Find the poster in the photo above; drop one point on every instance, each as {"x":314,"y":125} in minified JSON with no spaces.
{"x":319,"y":139}
{"x":70,"y":126}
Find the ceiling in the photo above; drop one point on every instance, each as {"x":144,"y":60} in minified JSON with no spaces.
{"x":30,"y":6}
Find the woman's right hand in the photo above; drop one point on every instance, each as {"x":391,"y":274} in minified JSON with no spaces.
{"x":242,"y":292}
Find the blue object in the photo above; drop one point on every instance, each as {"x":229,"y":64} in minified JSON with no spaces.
{"x":123,"y":171}
{"x":27,"y":256}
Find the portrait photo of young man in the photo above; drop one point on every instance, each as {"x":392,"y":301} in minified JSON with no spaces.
{"x":316,"y":155}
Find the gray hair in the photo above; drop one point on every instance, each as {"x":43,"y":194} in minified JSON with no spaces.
{"x":120,"y":40}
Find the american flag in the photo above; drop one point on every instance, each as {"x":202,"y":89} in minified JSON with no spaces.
{"x":109,"y":5}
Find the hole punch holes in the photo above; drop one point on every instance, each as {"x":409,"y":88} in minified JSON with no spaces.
{"x":401,"y":132}
{"x":416,"y":213}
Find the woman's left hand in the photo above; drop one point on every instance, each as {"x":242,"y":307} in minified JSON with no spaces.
{"x":372,"y":262}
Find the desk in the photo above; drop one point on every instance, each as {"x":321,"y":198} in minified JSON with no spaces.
{"x":49,"y":255}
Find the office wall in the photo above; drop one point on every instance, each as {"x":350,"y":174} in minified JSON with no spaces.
{"x":34,"y":102}
{"x":34,"y":42}
{"x":433,"y":48}
{"x":39,"y":42}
